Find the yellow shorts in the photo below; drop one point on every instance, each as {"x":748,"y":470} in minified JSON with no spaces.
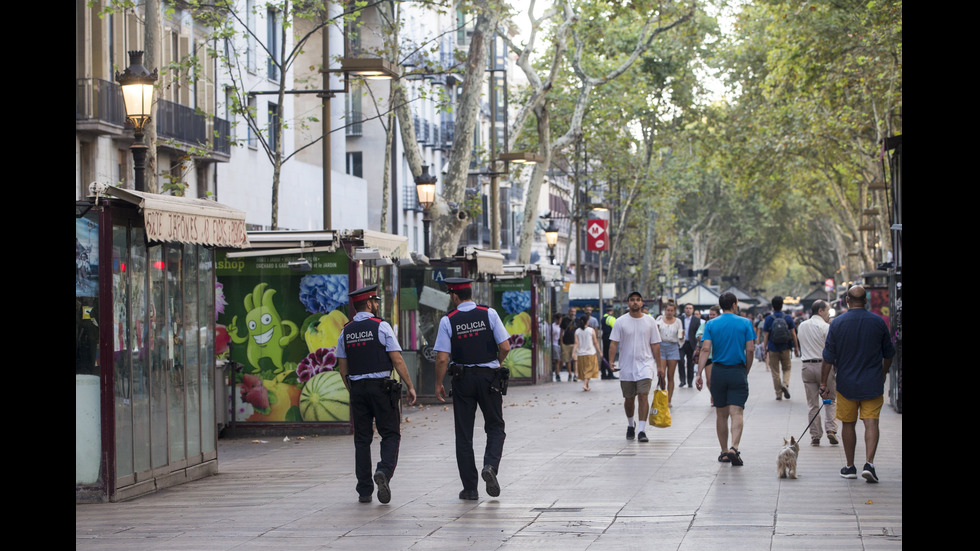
{"x":847,"y":410}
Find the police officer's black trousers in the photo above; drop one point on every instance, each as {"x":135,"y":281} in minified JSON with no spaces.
{"x":369,"y":403}
{"x":472,"y":388}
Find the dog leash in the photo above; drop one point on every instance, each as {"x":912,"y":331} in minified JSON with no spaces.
{"x":817,"y":414}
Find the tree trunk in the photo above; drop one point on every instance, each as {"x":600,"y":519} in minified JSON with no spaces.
{"x":152,"y":58}
{"x":386,"y":178}
{"x":447,"y":227}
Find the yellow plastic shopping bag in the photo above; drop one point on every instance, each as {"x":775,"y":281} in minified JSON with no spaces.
{"x":659,"y":411}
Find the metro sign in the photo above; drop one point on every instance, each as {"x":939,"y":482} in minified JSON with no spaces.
{"x":598,"y":236}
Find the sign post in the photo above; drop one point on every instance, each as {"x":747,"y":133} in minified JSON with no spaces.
{"x":598,"y":240}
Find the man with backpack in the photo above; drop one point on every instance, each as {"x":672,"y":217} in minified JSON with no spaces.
{"x":778,"y":338}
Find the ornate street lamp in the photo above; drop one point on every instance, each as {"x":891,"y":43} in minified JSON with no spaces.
{"x":551,"y":237}
{"x":137,"y":89}
{"x":425,"y":187}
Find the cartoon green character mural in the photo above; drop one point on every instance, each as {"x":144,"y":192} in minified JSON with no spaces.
{"x":267,"y":335}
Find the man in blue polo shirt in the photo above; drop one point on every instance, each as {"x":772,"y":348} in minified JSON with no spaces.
{"x":860,"y":347}
{"x":730,"y":340}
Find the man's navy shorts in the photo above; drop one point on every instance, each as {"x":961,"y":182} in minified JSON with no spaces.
{"x":729,"y":385}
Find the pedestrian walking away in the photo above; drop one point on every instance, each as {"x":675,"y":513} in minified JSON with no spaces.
{"x":636,"y":337}
{"x":587,"y":351}
{"x":608,"y":320}
{"x":860,"y":348}
{"x":778,"y":338}
{"x":471,"y":345}
{"x":813,"y":334}
{"x":692,"y":322}
{"x":730,"y":340}
{"x":556,"y":344}
{"x":367,"y":353}
{"x":568,"y":343}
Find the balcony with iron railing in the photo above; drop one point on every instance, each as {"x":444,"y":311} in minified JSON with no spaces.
{"x":410,"y":199}
{"x":99,"y":107}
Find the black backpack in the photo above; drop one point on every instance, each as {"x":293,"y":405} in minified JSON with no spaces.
{"x":779,"y":334}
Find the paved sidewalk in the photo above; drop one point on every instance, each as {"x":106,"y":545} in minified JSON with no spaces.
{"x":569,"y":481}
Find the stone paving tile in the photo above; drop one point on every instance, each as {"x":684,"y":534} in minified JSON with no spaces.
{"x":570,"y":480}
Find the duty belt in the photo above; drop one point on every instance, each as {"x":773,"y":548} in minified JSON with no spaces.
{"x":374,"y":380}
{"x":463,"y":366}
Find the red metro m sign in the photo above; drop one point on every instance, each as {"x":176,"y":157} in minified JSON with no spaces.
{"x":598,"y":234}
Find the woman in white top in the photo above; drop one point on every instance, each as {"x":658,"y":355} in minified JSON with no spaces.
{"x":587,"y":350}
{"x":671,"y":335}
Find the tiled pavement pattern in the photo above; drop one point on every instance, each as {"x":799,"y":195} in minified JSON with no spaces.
{"x":569,"y":481}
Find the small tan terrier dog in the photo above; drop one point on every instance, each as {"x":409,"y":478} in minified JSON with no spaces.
{"x":786,"y":460}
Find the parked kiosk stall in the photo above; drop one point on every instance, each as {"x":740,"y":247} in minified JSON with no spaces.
{"x":522,"y":297}
{"x":281,"y":307}
{"x":144,"y":340}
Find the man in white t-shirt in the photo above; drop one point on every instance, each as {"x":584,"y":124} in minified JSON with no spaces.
{"x":636,"y":337}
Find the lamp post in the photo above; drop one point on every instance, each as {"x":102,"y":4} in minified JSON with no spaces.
{"x":551,"y":237}
{"x":137,"y":89}
{"x":425,"y":187}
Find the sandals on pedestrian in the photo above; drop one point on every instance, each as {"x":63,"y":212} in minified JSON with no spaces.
{"x":735,"y":457}
{"x":723,"y":458}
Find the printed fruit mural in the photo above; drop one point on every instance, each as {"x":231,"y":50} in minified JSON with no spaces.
{"x":283,"y":371}
{"x":518,"y":322}
{"x":325,"y":398}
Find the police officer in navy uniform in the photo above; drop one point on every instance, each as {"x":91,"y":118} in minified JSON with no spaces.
{"x":367,"y":351}
{"x":472,"y":343}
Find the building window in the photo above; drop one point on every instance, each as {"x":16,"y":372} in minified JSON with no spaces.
{"x":121,"y":176}
{"x":253,"y":140}
{"x":273,"y":29}
{"x":273,"y":124}
{"x":229,"y":113}
{"x":355,"y":164}
{"x":250,"y":23}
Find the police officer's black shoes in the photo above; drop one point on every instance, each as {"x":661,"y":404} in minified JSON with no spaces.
{"x":384,"y":492}
{"x":490,"y":477}
{"x":364,"y":499}
{"x":471,"y":495}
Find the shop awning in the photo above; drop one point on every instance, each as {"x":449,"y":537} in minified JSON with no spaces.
{"x":487,"y":262}
{"x":187,"y":219}
{"x":700,"y":296}
{"x":589,"y":291}
{"x":389,"y":245}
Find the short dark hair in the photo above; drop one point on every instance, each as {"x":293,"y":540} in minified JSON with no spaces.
{"x":715,"y":308}
{"x":817,"y":306}
{"x":777,"y":303}
{"x":727,"y":300}
{"x":463,"y":294}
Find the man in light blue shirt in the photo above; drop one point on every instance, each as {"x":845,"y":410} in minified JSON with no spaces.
{"x":475,"y":340}
{"x":730,"y":340}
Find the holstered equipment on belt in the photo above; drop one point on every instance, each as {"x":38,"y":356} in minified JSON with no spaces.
{"x":394,"y":390}
{"x":500,"y":380}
